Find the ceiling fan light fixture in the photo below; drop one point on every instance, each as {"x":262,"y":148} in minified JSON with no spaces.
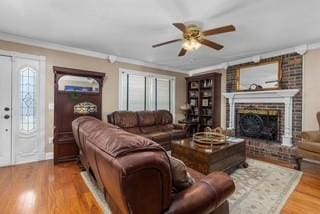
{"x":191,"y":44}
{"x":193,"y":37}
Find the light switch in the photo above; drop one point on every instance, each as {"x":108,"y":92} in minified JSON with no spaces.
{"x":51,"y":106}
{"x":50,"y":140}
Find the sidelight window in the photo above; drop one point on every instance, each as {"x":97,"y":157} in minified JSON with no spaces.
{"x":27,"y":99}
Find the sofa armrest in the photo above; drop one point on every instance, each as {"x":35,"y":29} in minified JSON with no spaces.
{"x":204,"y":196}
{"x":313,"y":136}
{"x":180,"y":126}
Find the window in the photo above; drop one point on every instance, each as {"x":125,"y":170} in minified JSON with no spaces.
{"x":163,"y":94}
{"x":136,"y":93}
{"x":145,"y":91}
{"x":27,"y":100}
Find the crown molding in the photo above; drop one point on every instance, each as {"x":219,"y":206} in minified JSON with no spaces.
{"x":151,"y":65}
{"x":79,"y":51}
{"x":301,"y":49}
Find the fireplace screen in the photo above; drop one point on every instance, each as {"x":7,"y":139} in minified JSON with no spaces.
{"x":261,"y":124}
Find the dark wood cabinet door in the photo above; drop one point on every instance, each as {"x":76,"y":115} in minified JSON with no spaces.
{"x":65,"y":148}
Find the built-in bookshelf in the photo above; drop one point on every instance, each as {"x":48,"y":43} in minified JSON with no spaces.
{"x":204,"y":98}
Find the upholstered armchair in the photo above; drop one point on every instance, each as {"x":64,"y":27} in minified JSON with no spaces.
{"x":309,"y":148}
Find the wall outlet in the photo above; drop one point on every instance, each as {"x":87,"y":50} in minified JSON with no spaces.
{"x":50,"y":140}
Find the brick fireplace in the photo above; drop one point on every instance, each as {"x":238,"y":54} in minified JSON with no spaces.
{"x":287,"y":102}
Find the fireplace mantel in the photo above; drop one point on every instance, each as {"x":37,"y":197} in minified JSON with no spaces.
{"x":271,"y":96}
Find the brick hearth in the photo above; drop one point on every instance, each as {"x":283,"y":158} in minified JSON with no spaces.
{"x":264,"y":149}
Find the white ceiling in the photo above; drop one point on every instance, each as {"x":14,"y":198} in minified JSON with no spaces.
{"x":129,"y":28}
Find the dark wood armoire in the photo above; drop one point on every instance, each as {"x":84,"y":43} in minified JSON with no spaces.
{"x":204,"y":98}
{"x":76,"y":93}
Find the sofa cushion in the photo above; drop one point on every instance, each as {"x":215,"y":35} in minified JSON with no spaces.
{"x":146,"y":118}
{"x":310,"y":146}
{"x":308,"y":154}
{"x":181,"y":177}
{"x":125,"y":119}
{"x":149,"y":136}
{"x":163,"y":117}
{"x":83,"y":126}
{"x":117,"y":142}
{"x":160,"y":136}
{"x":76,"y":124}
{"x":167,"y":127}
{"x":134,"y":130}
{"x":149,"y":129}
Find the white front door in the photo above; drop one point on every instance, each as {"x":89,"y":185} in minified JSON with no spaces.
{"x":5,"y":110}
{"x":21,"y":110}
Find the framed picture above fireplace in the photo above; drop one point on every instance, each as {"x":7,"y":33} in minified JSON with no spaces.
{"x":264,"y":76}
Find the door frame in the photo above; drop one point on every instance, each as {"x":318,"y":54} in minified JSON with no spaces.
{"x":42,"y":93}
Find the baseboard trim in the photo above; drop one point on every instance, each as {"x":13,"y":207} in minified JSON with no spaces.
{"x":311,"y":161}
{"x":49,"y":155}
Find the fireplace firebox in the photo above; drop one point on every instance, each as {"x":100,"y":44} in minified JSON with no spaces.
{"x":258,"y":123}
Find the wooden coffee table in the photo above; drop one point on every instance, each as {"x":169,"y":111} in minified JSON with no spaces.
{"x":226,"y":157}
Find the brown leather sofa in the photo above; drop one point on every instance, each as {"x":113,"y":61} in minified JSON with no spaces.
{"x":309,"y":148}
{"x":135,"y":174}
{"x":154,"y":125}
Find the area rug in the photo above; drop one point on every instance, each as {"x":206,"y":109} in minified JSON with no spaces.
{"x":262,"y":188}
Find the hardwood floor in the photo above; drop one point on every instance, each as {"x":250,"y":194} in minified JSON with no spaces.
{"x":42,"y":187}
{"x":306,"y":197}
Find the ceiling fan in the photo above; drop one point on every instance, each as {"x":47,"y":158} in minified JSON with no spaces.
{"x":193,"y":37}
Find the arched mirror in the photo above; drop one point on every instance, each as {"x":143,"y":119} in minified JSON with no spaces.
{"x":70,"y":83}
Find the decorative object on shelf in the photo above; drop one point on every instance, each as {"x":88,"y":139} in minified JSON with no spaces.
{"x":85,"y":108}
{"x":194,"y":85}
{"x":205,"y":102}
{"x":254,"y":87}
{"x":209,"y":137}
{"x":193,"y":94}
{"x":277,"y":82}
{"x":195,"y":111}
{"x":206,"y":84}
{"x":185,"y":108}
{"x":193,"y":102}
{"x":206,"y":94}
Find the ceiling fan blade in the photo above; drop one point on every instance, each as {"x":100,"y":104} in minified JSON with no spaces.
{"x":165,"y":43}
{"x":180,"y":26}
{"x":182,"y":52}
{"x":225,"y":29}
{"x":211,"y":44}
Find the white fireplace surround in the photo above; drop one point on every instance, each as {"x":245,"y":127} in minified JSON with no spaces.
{"x":270,"y":96}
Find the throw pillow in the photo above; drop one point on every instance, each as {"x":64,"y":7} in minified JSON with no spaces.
{"x":181,"y":178}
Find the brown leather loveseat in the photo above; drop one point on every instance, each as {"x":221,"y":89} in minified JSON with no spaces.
{"x":154,"y":125}
{"x":136,"y":175}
